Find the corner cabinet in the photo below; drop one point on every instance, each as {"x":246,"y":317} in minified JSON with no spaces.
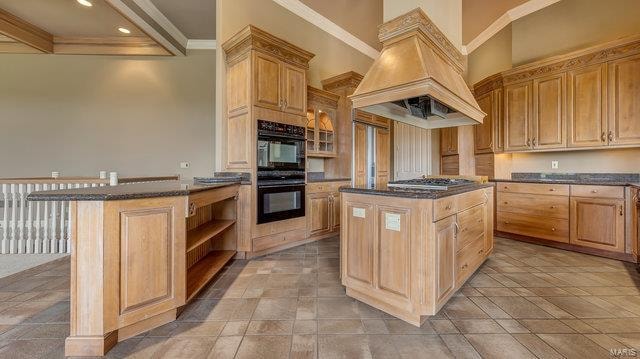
{"x":323,"y":208}
{"x":322,"y":137}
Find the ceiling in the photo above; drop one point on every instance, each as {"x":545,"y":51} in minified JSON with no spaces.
{"x":67,"y":18}
{"x":196,"y":19}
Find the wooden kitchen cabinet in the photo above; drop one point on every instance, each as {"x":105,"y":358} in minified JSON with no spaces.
{"x":587,"y":106}
{"x":517,"y":116}
{"x":489,"y":135}
{"x":445,"y":236}
{"x":548,"y":126}
{"x":322,"y":137}
{"x":279,"y":86}
{"x":383,"y":156}
{"x":323,"y":208}
{"x":448,"y":141}
{"x":598,"y":223}
{"x":623,"y":78}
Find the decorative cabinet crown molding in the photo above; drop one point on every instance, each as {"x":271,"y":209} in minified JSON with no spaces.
{"x":347,"y":79}
{"x":254,"y":38}
{"x":322,"y":97}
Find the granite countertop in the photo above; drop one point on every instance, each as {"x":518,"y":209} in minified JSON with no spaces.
{"x":128,"y":191}
{"x":414,"y":193}
{"x":597,"y":179}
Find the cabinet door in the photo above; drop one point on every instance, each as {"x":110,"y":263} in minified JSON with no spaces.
{"x":318,"y":221}
{"x":383,"y":156}
{"x":335,"y":211}
{"x":483,"y":134}
{"x":412,"y":151}
{"x":517,"y":116}
{"x":267,"y":84}
{"x":448,"y":141}
{"x":360,"y":154}
{"x":586,"y":107}
{"x":624,"y":101}
{"x":549,"y":109}
{"x":356,"y":243}
{"x":294,"y":90}
{"x":393,"y":253}
{"x":445,"y":251}
{"x":597,"y":223}
{"x":450,"y":165}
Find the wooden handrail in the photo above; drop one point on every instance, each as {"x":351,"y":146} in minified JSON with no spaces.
{"x":35,"y":180}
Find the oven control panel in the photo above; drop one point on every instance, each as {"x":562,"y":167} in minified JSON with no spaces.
{"x":280,"y":128}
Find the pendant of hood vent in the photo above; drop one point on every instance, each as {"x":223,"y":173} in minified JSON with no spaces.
{"x":417,"y":79}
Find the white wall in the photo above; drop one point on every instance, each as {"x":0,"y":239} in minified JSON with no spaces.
{"x":82,"y":114}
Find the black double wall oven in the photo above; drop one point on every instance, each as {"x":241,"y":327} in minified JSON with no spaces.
{"x":281,"y":168}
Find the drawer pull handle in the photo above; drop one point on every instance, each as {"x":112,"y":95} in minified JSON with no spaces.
{"x":448,"y":207}
{"x":465,"y":266}
{"x":621,"y":211}
{"x":505,"y":202}
{"x":552,"y":189}
{"x":594,"y":191}
{"x":553,"y":207}
{"x":481,"y":251}
{"x":506,"y":222}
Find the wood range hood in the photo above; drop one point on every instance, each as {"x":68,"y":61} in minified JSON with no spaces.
{"x":417,"y":79}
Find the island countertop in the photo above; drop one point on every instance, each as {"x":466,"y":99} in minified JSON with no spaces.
{"x":128,"y":191}
{"x":414,"y":193}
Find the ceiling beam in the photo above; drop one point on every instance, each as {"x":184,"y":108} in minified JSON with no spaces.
{"x":24,"y":32}
{"x":151,"y":21}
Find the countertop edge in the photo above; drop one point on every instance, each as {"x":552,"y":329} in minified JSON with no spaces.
{"x":569,"y":182}
{"x":416,"y":194}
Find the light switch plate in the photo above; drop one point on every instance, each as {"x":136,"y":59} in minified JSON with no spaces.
{"x":392,"y":221}
{"x":358,"y":212}
{"x":554,"y":165}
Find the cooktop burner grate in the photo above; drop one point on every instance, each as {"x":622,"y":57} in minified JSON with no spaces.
{"x":430,"y":183}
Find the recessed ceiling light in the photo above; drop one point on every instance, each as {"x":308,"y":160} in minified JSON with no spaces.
{"x":124,"y":30}
{"x":86,"y":3}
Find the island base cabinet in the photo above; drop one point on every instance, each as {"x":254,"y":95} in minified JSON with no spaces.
{"x":401,"y":255}
{"x":127,"y":270}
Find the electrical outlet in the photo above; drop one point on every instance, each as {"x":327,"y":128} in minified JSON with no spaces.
{"x":554,"y":165}
{"x":184,"y":164}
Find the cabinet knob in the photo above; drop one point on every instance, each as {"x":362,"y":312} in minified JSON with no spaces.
{"x":552,"y":189}
{"x":505,"y":202}
{"x":553,"y":207}
{"x":465,"y":266}
{"x":594,"y":191}
{"x":610,"y":136}
{"x":507,"y":222}
{"x":553,"y":229}
{"x":481,"y":251}
{"x":448,"y":207}
{"x":528,"y":142}
{"x":535,"y":143}
{"x":604,"y":136}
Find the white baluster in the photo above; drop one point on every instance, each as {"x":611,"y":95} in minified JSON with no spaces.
{"x":63,"y":212}
{"x":5,"y":219}
{"x":37,"y":243}
{"x":14,"y":223}
{"x":45,"y":228}
{"x":21,"y":223}
{"x":54,"y":222}
{"x":29,"y":242}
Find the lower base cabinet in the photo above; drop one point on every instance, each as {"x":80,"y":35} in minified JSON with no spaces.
{"x":323,"y":208}
{"x":598,"y":223}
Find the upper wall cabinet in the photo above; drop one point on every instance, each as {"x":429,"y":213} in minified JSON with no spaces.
{"x":448,"y":141}
{"x":322,"y":135}
{"x":265,"y":79}
{"x":586,"y":99}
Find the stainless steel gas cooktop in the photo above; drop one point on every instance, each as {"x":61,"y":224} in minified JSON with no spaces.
{"x":430,"y":183}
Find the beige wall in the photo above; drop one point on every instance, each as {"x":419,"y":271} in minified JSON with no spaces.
{"x":359,"y":17}
{"x":82,"y":114}
{"x":446,"y":14}
{"x":573,"y":24}
{"x":597,"y":161}
{"x":491,"y":57}
{"x":477,"y":15}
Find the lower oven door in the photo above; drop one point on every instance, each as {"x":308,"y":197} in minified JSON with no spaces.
{"x":279,"y":202}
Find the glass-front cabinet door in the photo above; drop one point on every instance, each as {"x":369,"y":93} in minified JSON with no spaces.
{"x":321,"y":123}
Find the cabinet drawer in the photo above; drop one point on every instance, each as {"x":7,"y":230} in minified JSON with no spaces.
{"x":271,"y":241}
{"x":319,"y":187}
{"x":534,"y":205}
{"x":553,"y":229}
{"x":444,"y":207}
{"x":468,"y":259}
{"x":471,"y":226}
{"x":471,"y":199}
{"x":597,"y":191}
{"x":534,"y":188}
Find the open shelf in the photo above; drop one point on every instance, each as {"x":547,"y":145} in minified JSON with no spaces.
{"x":200,"y":274}
{"x":203,"y":233}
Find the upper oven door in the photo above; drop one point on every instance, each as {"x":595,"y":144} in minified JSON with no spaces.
{"x":275,"y":153}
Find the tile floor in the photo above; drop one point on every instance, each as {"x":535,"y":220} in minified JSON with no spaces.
{"x":526,"y":301}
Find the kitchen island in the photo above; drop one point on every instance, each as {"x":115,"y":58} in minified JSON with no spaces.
{"x":140,"y":252}
{"x":407,"y":251}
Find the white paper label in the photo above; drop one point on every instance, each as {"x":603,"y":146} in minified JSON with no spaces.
{"x":358,"y":212}
{"x":392,"y":221}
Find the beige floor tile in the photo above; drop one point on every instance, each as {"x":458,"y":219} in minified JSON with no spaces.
{"x":490,"y":308}
{"x":192,"y":347}
{"x":375,"y":326}
{"x":272,"y":327}
{"x":304,"y":347}
{"x":225,"y":348}
{"x":264,"y":346}
{"x":616,"y":325}
{"x":519,"y":307}
{"x":478,"y":326}
{"x":512,"y":326}
{"x":276,"y":308}
{"x":340,"y":326}
{"x":463,"y":308}
{"x":550,"y":308}
{"x":605,"y":341}
{"x":338,"y":308}
{"x":498,"y":346}
{"x":382,"y":347}
{"x":498,"y":292}
{"x":546,"y":326}
{"x":426,"y":346}
{"x":443,"y":326}
{"x":343,"y":346}
{"x":305,"y":327}
{"x":574,"y":346}
{"x":579,"y":307}
{"x":537,"y":346}
{"x":397,"y":326}
{"x":459,"y":346}
{"x":307,"y":308}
